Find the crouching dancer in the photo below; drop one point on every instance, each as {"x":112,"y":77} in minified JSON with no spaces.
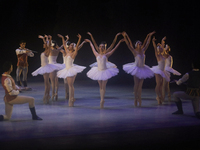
{"x":193,"y":90}
{"x":11,"y":94}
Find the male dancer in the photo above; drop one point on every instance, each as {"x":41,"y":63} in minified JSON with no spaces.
{"x":11,"y":94}
{"x":22,"y":64}
{"x":193,"y":90}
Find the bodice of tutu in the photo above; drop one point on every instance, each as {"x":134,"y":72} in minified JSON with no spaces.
{"x":101,"y":61}
{"x":52,"y":59}
{"x":161,"y":64}
{"x":68,"y":62}
{"x":140,"y":60}
{"x":168,"y":62}
{"x":44,"y":60}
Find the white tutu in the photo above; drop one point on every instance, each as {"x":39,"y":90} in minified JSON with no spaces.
{"x":108,"y":65}
{"x":140,"y":72}
{"x":164,"y":74}
{"x":171,"y":70}
{"x":95,"y":74}
{"x":45,"y":69}
{"x":70,"y":72}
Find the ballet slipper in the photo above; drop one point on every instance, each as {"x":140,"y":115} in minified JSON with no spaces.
{"x":102,"y":104}
{"x":70,"y":103}
{"x":159,"y":100}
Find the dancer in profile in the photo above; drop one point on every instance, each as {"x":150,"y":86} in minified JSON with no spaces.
{"x":159,"y":71}
{"x":138,"y":69}
{"x":101,"y":73}
{"x":11,"y":94}
{"x":192,"y":92}
{"x":70,"y":71}
{"x":45,"y":68}
{"x":168,"y":68}
{"x":54,"y":51}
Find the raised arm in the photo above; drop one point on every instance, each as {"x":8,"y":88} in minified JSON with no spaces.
{"x":147,"y":41}
{"x":92,"y":47}
{"x":63,"y":41}
{"x":113,"y":50}
{"x":113,"y":43}
{"x":155,"y":47}
{"x":163,"y":41}
{"x":81,"y":45}
{"x":94,"y":42}
{"x":131,"y":48}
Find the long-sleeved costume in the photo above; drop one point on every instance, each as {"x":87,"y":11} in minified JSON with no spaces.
{"x":22,"y":65}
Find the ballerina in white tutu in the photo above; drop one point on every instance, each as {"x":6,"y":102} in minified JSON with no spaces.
{"x":70,"y":71}
{"x":159,"y":70}
{"x":168,"y":68}
{"x":54,"y":51}
{"x":138,"y":69}
{"x":108,"y":63}
{"x":45,"y":68}
{"x":101,"y":73}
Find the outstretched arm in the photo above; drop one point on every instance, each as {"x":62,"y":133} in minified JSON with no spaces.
{"x":92,"y":47}
{"x":64,"y":41}
{"x":94,"y":42}
{"x":147,"y":41}
{"x":131,"y":48}
{"x":113,"y":50}
{"x":113,"y":43}
{"x":81,"y":45}
{"x":155,"y":47}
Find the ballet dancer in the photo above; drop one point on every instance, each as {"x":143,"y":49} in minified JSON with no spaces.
{"x":45,"y":68}
{"x":54,"y":51}
{"x":70,"y":71}
{"x":138,"y":69}
{"x":168,"y":68}
{"x":108,"y":64}
{"x":192,"y":92}
{"x":22,"y":64}
{"x":11,"y":94}
{"x":101,"y":73}
{"x":159,"y":71}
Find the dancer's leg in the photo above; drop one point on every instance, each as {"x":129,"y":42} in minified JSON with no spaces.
{"x":30,"y":101}
{"x":52,"y":78}
{"x":18,"y":73}
{"x":66,"y":88}
{"x":70,"y":81}
{"x":102,"y":85}
{"x":47,"y":88}
{"x":56,"y":87}
{"x":140,"y":91}
{"x":136,"y":84}
{"x":158,"y":89}
{"x":168,"y":91}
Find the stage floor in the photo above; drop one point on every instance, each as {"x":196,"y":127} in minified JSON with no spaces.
{"x":119,"y":125}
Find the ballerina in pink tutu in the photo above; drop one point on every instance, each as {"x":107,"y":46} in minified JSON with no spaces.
{"x":45,"y":68}
{"x":159,"y":70}
{"x":70,"y":71}
{"x":101,"y":72}
{"x":138,"y":69}
{"x":168,"y":68}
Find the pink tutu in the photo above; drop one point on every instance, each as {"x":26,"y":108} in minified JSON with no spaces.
{"x":95,"y":74}
{"x":140,"y":72}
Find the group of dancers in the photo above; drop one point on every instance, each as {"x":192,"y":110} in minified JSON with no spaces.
{"x":102,"y":70}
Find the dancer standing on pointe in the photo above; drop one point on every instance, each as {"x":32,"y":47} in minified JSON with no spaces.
{"x":101,"y":73}
{"x":54,"y":51}
{"x":70,"y":71}
{"x":159,"y":71}
{"x":138,"y":69}
{"x":22,"y":64}
{"x":11,"y":94}
{"x":168,"y":68}
{"x":45,"y":68}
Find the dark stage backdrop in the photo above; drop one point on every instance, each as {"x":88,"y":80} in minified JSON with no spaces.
{"x":26,"y":19}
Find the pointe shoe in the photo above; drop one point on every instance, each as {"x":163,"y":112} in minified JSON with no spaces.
{"x":135,"y":103}
{"x":54,"y":97}
{"x":159,"y":100}
{"x":71,"y":103}
{"x":102,"y":104}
